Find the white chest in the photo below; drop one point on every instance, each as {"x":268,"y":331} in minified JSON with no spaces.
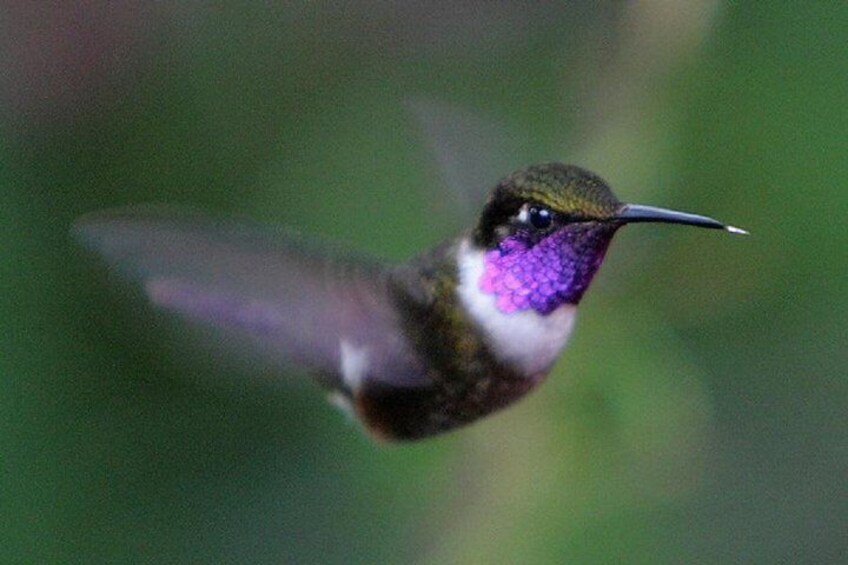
{"x":525,"y":339}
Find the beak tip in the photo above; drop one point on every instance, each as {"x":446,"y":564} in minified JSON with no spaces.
{"x":734,"y":229}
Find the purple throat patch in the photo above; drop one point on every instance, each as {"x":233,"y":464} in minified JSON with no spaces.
{"x":544,"y":274}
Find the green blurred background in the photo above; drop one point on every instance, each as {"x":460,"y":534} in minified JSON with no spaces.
{"x":699,"y":414}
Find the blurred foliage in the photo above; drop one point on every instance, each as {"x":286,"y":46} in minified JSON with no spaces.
{"x":698,"y":415}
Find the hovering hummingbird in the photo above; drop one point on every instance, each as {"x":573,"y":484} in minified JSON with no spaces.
{"x":414,"y":349}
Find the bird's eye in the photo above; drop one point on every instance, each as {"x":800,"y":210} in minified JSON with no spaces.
{"x":540,"y":218}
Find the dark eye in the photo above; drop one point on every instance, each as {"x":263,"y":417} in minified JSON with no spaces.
{"x":540,"y":218}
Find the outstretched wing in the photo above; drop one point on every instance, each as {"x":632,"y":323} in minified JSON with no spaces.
{"x":471,"y":152}
{"x":306,"y":306}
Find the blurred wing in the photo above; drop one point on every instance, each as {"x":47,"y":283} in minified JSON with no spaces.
{"x":297,"y":305}
{"x":472,"y":152}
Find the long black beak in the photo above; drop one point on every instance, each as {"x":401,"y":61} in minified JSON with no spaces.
{"x":631,"y":213}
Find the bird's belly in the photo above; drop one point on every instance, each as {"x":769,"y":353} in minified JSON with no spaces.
{"x":411,"y":413}
{"x":516,"y":353}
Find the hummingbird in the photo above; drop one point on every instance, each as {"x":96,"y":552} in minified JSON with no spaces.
{"x":413,"y":349}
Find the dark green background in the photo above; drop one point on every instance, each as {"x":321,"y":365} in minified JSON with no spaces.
{"x":699,"y":414}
